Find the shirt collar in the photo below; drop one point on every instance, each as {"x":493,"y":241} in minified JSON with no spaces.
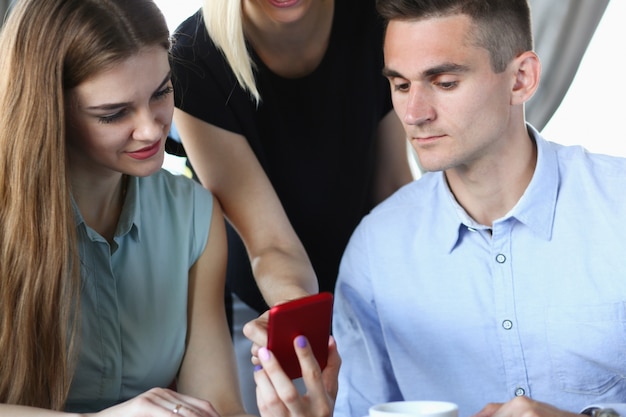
{"x":130,"y":220}
{"x":535,"y":208}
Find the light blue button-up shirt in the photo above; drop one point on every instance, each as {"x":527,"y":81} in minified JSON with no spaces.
{"x":429,"y":305}
{"x":134,"y":295}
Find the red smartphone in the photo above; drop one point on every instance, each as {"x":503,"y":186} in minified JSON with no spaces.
{"x":308,"y":316}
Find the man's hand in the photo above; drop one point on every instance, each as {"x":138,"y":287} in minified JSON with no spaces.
{"x":523,"y":407}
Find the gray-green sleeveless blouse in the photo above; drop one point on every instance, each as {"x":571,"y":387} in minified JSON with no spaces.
{"x":134,"y":294}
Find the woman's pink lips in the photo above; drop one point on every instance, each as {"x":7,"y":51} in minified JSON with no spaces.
{"x":283,"y":3}
{"x":146,"y":152}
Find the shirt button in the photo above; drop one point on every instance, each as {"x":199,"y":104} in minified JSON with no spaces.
{"x":507,"y":324}
{"x":500,"y":258}
{"x":519,"y":392}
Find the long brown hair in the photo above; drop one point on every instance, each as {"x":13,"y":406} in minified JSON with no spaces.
{"x":48,"y":47}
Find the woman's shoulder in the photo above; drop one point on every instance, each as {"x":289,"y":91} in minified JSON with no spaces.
{"x":189,"y":30}
{"x":191,"y":42}
{"x":172,"y":187}
{"x":203,"y":80}
{"x":174,"y":206}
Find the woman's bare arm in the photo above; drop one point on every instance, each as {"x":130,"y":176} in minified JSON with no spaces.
{"x":227,"y":166}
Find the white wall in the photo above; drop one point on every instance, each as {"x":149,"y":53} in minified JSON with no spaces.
{"x":593,"y":113}
{"x":176,"y":11}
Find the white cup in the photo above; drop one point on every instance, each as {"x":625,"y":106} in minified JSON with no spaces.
{"x":415,"y":409}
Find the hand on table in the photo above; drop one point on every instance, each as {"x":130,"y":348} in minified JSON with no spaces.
{"x":160,"y":402}
{"x":277,"y":396}
{"x":523,"y":407}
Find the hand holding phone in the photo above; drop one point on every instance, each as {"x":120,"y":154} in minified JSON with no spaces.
{"x":308,"y":316}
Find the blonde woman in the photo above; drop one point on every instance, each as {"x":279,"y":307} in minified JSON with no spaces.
{"x":111,"y":269}
{"x":286,"y":118}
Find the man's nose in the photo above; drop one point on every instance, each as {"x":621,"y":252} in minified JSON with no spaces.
{"x":418,"y":107}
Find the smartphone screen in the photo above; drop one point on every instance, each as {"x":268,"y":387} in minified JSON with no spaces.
{"x":308,"y":316}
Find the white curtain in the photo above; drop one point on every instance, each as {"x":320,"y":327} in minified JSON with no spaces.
{"x":562,"y":30}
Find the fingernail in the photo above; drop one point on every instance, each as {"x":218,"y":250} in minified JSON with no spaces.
{"x":257,"y":368}
{"x":264,"y":354}
{"x":301,"y":341}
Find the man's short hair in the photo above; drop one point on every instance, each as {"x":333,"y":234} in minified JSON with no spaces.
{"x":503,"y":27}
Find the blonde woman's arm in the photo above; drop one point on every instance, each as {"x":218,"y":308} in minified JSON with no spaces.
{"x":227,"y":166}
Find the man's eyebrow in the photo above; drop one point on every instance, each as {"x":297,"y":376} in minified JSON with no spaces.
{"x":447,"y":68}
{"x":113,"y":106}
{"x":439,"y":69}
{"x":389,"y":73}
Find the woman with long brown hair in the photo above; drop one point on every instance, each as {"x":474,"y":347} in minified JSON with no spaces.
{"x":111,"y":269}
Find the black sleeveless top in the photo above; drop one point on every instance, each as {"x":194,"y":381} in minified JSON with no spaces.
{"x":314,"y":136}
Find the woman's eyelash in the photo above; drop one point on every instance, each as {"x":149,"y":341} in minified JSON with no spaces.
{"x":164,"y":92}
{"x":114,"y":117}
{"x":111,"y":118}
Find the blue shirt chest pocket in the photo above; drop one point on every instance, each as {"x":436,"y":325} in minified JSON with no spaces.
{"x":587,"y":347}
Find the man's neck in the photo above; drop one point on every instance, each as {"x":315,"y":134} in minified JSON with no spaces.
{"x":490,"y":190}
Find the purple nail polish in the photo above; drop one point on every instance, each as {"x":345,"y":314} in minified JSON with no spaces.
{"x":257,"y":368}
{"x":301,"y":341}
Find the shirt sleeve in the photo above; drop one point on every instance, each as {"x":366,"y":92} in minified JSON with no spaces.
{"x":366,"y":377}
{"x":619,"y":407}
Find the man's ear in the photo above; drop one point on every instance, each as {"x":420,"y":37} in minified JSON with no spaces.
{"x":527,"y":71}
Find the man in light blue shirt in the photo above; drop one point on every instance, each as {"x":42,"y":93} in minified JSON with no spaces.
{"x":498,"y":280}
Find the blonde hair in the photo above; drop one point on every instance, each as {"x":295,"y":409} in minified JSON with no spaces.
{"x":47,"y":48}
{"x":224,"y":23}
